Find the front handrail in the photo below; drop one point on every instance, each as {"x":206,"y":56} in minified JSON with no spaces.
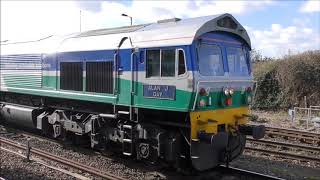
{"x":115,"y":73}
{"x":216,"y":81}
{"x":132,"y":91}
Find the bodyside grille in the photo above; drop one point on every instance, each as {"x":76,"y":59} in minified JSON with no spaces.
{"x":21,"y":70}
{"x":99,"y":77}
{"x":71,"y":76}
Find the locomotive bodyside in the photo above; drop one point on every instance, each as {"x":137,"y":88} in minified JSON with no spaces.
{"x":177,"y":90}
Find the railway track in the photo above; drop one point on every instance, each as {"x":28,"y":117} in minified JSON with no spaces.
{"x":245,"y":174}
{"x":222,"y":170}
{"x":302,"y":136}
{"x":228,"y":171}
{"x":61,"y":160}
{"x":277,"y":146}
{"x":286,"y":150}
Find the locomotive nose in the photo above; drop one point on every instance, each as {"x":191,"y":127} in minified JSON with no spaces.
{"x":217,"y":134}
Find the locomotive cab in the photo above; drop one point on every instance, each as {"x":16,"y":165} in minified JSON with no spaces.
{"x":223,"y":93}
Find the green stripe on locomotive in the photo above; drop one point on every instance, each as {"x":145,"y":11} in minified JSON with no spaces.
{"x":181,"y":103}
{"x":183,"y":99}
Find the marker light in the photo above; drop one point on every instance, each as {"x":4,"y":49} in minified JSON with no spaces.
{"x":202,"y":92}
{"x":202,"y":103}
{"x":228,"y":101}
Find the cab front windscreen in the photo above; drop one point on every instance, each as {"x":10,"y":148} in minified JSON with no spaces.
{"x":213,"y":63}
{"x":210,"y":60}
{"x":238,"y":62}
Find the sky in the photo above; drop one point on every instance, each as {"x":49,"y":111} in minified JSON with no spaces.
{"x":276,"y":28}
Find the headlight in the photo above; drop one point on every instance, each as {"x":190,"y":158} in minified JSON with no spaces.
{"x":231,"y":91}
{"x":226,"y":91}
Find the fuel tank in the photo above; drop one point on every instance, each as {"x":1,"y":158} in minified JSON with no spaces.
{"x":20,"y":115}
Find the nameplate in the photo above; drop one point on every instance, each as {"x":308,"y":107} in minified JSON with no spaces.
{"x":159,"y":91}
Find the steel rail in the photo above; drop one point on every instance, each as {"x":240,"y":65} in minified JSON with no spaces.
{"x":310,"y":148}
{"x":76,"y":175}
{"x":269,"y":128}
{"x":248,"y":174}
{"x":296,"y":134}
{"x":285,"y":154}
{"x":292,"y":135}
{"x":62,"y":160}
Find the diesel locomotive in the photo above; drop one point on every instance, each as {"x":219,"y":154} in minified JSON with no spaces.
{"x":175,"y":91}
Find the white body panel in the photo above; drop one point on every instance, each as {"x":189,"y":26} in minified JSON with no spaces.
{"x":171,"y":33}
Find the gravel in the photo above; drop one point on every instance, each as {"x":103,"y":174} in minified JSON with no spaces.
{"x":308,"y":153}
{"x":121,"y":166}
{"x":15,"y":167}
{"x":275,"y":167}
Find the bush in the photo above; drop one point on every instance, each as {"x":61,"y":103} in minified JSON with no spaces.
{"x":284,"y":82}
{"x":267,"y":87}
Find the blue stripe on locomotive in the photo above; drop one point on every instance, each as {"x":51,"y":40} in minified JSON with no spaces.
{"x":223,"y":39}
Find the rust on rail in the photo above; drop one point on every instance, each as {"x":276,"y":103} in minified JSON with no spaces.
{"x":285,"y":154}
{"x":309,"y":148}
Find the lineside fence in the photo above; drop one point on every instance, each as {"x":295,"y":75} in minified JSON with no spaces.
{"x":310,"y":115}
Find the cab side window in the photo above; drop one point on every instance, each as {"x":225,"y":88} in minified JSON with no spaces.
{"x":168,"y":63}
{"x":153,"y":63}
{"x":165,"y":63}
{"x":181,"y":63}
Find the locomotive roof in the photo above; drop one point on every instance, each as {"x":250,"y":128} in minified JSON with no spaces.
{"x":169,"y":32}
